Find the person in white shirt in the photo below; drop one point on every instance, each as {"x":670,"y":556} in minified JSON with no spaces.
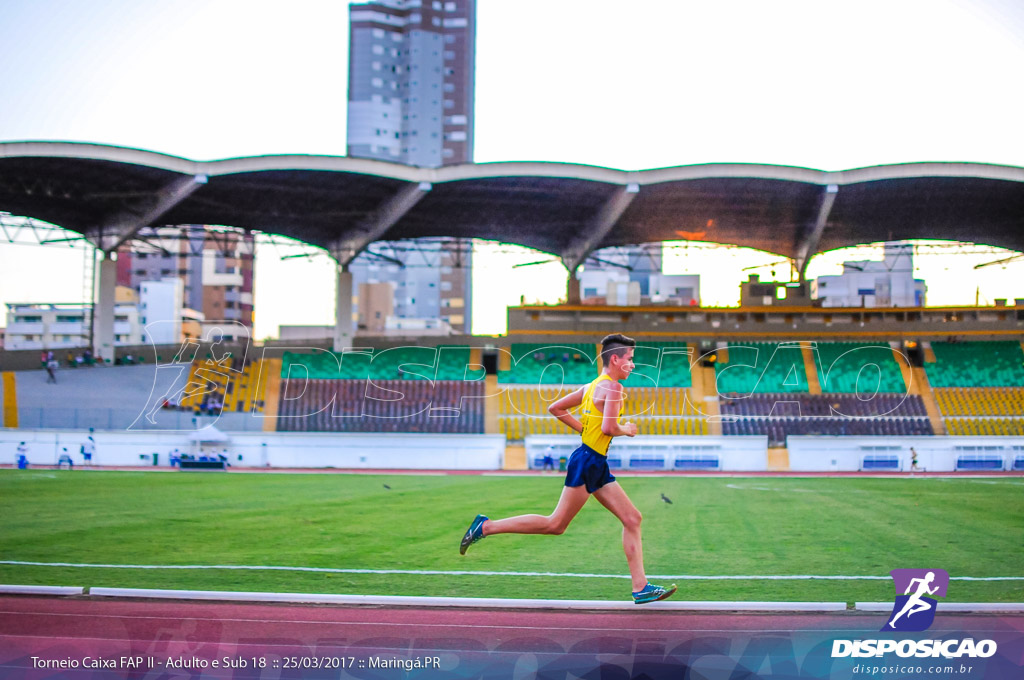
{"x":88,"y":449}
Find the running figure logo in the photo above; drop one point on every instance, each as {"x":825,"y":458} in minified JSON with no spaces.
{"x":914,"y":610}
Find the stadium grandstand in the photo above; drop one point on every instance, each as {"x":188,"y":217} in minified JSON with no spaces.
{"x":708,"y":382}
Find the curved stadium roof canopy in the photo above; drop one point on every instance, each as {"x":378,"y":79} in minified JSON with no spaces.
{"x":342,"y":204}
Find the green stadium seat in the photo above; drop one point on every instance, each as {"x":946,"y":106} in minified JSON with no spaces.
{"x":761,"y":367}
{"x":445,"y":362}
{"x":976,"y":364}
{"x":551,"y":364}
{"x":858,"y":367}
{"x":660,"y":364}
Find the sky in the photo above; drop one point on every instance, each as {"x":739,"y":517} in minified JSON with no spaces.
{"x":644,"y":84}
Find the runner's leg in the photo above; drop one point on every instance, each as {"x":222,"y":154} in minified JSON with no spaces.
{"x":570,"y":502}
{"x":613,"y":497}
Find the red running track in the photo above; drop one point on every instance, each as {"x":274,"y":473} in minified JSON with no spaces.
{"x":184,"y":639}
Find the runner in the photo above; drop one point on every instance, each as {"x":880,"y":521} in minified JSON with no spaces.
{"x":588,"y":472}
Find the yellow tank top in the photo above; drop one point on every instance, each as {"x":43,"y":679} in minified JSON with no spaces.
{"x":591,"y":417}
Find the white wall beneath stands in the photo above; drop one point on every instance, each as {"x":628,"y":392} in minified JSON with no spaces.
{"x":738,"y":454}
{"x":306,"y":450}
{"x":934,"y":454}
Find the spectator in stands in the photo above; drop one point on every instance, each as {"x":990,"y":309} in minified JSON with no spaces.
{"x":600,"y":404}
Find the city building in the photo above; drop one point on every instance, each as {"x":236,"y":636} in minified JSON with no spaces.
{"x":429,"y":279}
{"x":66,"y":325}
{"x":872,"y":283}
{"x":757,"y":293}
{"x":417,"y":327}
{"x":631,"y":275}
{"x":215,"y":267}
{"x":376,"y":306}
{"x":314,"y":333}
{"x":155,"y":316}
{"x":165,"y":320}
{"x":411,"y":79}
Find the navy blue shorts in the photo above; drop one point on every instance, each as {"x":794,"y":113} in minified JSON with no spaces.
{"x":587,"y":466}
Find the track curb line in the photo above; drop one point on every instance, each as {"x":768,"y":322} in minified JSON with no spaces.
{"x":493,"y":603}
{"x":41,"y":590}
{"x":959,"y":607}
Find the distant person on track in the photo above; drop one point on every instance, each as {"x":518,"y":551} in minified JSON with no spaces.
{"x":588,"y":472}
{"x":51,"y":370}
{"x":549,"y":459}
{"x":65,"y":459}
{"x":88,"y":449}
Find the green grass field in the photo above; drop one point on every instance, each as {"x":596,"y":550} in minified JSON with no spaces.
{"x":715,"y":526}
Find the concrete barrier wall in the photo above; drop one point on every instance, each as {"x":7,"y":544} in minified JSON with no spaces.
{"x":934,"y":454}
{"x":738,"y":454}
{"x":282,"y":450}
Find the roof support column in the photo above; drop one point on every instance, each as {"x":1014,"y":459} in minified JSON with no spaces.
{"x":593,"y":233}
{"x":809,"y":243}
{"x":573,"y":290}
{"x":103,"y":311}
{"x":346,"y":249}
{"x":124,"y":225}
{"x":343,"y":324}
{"x":109,"y":236}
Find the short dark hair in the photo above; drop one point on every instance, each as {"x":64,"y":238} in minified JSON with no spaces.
{"x":615,"y":344}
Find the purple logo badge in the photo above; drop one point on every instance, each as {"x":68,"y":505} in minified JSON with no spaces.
{"x":914,"y":609}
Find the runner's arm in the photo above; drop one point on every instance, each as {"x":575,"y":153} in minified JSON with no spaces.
{"x":560,"y":409}
{"x":613,"y":397}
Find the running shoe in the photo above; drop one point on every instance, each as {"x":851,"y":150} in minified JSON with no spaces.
{"x":473,"y":534}
{"x":653,"y":593}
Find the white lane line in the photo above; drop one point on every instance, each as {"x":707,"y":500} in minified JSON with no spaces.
{"x":440,"y":572}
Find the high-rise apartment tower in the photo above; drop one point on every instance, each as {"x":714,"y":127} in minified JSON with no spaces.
{"x":410,"y":85}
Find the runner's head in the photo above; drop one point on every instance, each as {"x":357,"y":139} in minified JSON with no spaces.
{"x":617,"y":355}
